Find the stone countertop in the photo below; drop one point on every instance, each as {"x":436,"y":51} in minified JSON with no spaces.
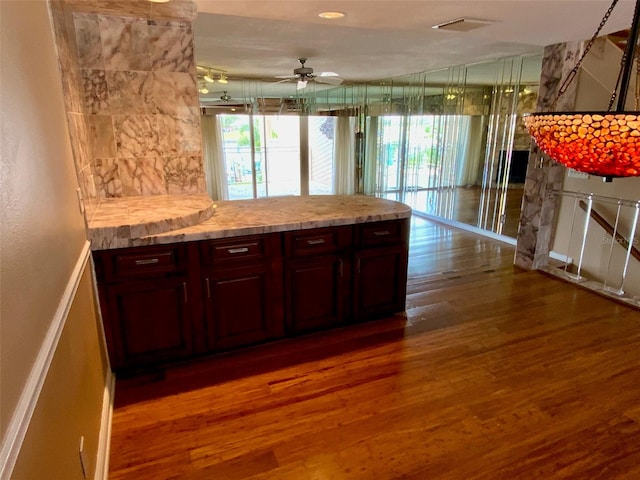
{"x":117,"y":221}
{"x":232,"y":218}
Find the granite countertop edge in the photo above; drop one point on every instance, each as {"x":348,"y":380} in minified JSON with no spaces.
{"x":234,"y":218}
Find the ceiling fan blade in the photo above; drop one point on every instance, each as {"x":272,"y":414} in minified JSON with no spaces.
{"x":301,"y":84}
{"x":285,"y":76}
{"x":281,"y":81}
{"x":329,"y":80}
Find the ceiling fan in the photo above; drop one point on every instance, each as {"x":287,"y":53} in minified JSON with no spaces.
{"x":223,"y":98}
{"x":225,"y":101}
{"x":305,"y":74}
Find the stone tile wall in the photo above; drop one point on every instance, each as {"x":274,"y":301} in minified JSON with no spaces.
{"x":130,"y":84}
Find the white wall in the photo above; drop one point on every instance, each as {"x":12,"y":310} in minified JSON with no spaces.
{"x":42,"y":231}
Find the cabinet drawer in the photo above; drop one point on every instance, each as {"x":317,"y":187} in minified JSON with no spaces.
{"x":317,"y":241}
{"x":381,"y":233}
{"x":143,"y":262}
{"x":231,"y":249}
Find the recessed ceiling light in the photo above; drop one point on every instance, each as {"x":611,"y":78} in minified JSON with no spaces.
{"x":159,"y":1}
{"x":331,"y":15}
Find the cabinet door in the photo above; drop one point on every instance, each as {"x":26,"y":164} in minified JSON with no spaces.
{"x":239,"y":305}
{"x":314,"y":293}
{"x":148,"y":321}
{"x":380,"y":282}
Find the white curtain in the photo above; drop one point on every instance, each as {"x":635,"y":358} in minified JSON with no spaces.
{"x":371,"y":158}
{"x":213,"y":158}
{"x":345,"y":157}
{"x":470,"y":157}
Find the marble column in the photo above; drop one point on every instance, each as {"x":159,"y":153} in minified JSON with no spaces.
{"x":539,"y":205}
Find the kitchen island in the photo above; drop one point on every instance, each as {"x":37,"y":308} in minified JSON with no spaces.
{"x":244,"y":271}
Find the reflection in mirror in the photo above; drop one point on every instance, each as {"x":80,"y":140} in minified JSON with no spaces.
{"x":450,"y":143}
{"x":457,"y":151}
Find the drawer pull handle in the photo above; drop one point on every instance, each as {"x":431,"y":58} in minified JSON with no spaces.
{"x":358,"y":265}
{"x":341,"y":267}
{"x":238,"y":250}
{"x":206,"y":281}
{"x":147,"y":261}
{"x":184,"y":290}
{"x":381,"y":233}
{"x":318,"y":241}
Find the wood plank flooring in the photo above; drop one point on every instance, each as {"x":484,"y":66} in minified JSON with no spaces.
{"x":494,"y":373}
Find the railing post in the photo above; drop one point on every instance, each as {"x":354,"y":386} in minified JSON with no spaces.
{"x":585,"y":230}
{"x":632,"y":235}
{"x":573,"y":223}
{"x":613,"y":240}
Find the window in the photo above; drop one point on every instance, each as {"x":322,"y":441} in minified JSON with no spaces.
{"x":262,"y":155}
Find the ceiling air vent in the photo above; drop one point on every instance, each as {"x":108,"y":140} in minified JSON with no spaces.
{"x":462,"y":24}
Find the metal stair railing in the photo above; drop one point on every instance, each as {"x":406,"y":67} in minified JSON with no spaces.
{"x":585,"y":202}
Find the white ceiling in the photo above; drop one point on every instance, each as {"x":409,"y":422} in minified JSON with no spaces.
{"x":380,"y":39}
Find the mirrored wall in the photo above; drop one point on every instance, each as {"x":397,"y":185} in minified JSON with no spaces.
{"x":450,"y":143}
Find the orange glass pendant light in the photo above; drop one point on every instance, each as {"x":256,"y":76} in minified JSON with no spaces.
{"x":605,"y":143}
{"x":599,"y":143}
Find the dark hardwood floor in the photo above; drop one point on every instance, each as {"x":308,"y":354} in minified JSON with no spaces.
{"x":494,"y":373}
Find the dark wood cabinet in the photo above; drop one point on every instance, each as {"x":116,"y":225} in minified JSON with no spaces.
{"x":316,"y":277}
{"x":167,"y":302}
{"x":380,"y":282}
{"x":242,"y":290}
{"x":380,"y":269}
{"x":144,"y":296}
{"x":150,"y":320}
{"x":314,"y":293}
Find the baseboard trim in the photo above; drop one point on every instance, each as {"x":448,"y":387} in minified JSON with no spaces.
{"x":467,"y":228}
{"x":561,"y":257}
{"x":485,"y":233}
{"x":17,"y":428}
{"x":104,"y":446}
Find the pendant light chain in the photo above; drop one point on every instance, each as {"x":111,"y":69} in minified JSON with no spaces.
{"x":614,"y":94}
{"x":636,"y":103}
{"x":637,"y":99}
{"x":574,"y":71}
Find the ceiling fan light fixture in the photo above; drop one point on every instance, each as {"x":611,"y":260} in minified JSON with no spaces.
{"x":208,"y":77}
{"x":331,"y":15}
